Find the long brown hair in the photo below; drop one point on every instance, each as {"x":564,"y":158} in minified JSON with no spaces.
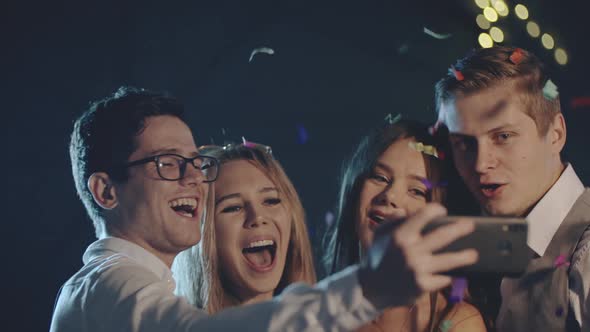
{"x":342,"y":244}
{"x":197,"y":270}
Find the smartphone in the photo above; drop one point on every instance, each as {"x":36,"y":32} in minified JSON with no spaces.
{"x":500,"y":242}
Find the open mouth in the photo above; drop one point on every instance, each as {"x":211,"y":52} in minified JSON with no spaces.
{"x":186,"y":207}
{"x":490,"y":189}
{"x":260,"y":254}
{"x":376,"y":218}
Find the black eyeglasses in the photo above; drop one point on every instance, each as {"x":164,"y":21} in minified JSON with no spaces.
{"x":172,"y":167}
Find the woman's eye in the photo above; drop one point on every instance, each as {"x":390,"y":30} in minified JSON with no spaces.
{"x":272,"y":201}
{"x":232,"y":208}
{"x":380,"y":178}
{"x":418,"y":192}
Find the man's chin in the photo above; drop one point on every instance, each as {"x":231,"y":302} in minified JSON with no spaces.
{"x":497,"y":209}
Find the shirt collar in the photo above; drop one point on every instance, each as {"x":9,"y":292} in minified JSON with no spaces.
{"x":551,"y":210}
{"x":109,"y":246}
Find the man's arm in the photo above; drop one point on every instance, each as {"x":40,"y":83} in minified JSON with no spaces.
{"x":400,"y":268}
{"x":580,"y":282}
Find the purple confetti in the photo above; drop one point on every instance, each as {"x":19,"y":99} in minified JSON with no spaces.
{"x":559,"y":312}
{"x":329,"y":218}
{"x":302,"y":136}
{"x":458,"y":289}
{"x":560,"y":261}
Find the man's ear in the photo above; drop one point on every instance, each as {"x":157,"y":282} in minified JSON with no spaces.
{"x":102,"y":190}
{"x":558,"y":132}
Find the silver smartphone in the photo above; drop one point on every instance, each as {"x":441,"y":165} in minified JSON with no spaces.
{"x":500,"y":242}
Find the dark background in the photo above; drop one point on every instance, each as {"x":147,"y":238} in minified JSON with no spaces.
{"x":339,"y":67}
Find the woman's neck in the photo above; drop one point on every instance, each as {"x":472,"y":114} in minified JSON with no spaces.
{"x":256,"y":298}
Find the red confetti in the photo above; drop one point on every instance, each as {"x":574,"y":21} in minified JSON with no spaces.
{"x":458,"y":75}
{"x":517,"y":56}
{"x":580,"y":102}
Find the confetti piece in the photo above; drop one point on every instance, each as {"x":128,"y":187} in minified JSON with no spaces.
{"x":391,"y":120}
{"x":426,"y":149}
{"x":266,"y":50}
{"x":560,"y":261}
{"x":437,"y":35}
{"x":579,"y":102}
{"x":403,"y":49}
{"x":248,"y":144}
{"x":445,"y":326}
{"x":457,"y":74}
{"x":302,"y":136}
{"x":458,"y":289}
{"x":550,"y":90}
{"x":559,"y":312}
{"x":517,"y":56}
{"x":431,"y":185}
{"x":329,"y":218}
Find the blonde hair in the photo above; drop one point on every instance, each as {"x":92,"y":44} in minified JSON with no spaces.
{"x":487,"y":67}
{"x":197,"y":269}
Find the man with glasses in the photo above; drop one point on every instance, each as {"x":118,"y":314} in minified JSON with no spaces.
{"x":145,"y":186}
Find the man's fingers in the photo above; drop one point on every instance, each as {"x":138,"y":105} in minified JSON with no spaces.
{"x":449,"y":261}
{"x":435,"y":282}
{"x":445,"y":235}
{"x":414,"y":224}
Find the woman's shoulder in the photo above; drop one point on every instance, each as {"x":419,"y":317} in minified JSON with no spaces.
{"x":463,"y":317}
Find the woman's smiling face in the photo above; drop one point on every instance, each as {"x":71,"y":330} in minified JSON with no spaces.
{"x":252,"y":230}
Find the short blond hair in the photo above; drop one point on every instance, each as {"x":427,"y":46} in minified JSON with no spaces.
{"x":487,"y":67}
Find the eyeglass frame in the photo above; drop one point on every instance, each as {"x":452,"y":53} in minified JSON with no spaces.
{"x":182,"y":169}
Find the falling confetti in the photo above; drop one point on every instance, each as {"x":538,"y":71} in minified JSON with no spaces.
{"x":579,"y":102}
{"x":266,"y":50}
{"x":403,"y":49}
{"x":329,"y":218}
{"x":458,"y":289}
{"x":456,"y":73}
{"x":247,"y":144}
{"x":437,"y":35}
{"x":390,"y":119}
{"x":559,"y":312}
{"x":426,"y":149}
{"x":431,"y":185}
{"x":302,"y":136}
{"x":517,"y":56}
{"x":560,"y":261}
{"x":445,"y":326}
{"x":550,"y":90}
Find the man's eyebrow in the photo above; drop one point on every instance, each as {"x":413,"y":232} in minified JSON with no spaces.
{"x":172,"y":150}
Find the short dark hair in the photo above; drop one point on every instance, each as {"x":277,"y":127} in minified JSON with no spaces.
{"x":342,"y":243}
{"x":104,"y":136}
{"x":487,"y":67}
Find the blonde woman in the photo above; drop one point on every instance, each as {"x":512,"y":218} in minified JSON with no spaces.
{"x":255,"y":241}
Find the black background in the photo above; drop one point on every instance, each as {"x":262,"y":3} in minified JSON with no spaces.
{"x":339,"y":67}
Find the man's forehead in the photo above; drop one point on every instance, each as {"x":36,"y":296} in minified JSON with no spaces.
{"x":474,"y":116}
{"x":166,"y":134}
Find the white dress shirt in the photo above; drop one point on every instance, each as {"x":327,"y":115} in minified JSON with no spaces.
{"x":123,"y":287}
{"x":544,"y":220}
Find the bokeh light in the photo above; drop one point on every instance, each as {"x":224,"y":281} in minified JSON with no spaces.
{"x":533,"y":29}
{"x":521,"y":11}
{"x":485,"y":40}
{"x":482,"y":22}
{"x":547,"y":41}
